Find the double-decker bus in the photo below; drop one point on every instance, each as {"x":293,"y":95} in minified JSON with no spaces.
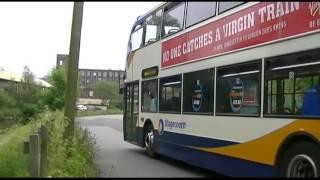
{"x":228,"y":86}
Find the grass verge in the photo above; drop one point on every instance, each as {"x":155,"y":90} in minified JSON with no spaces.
{"x":66,"y":158}
{"x":13,"y":163}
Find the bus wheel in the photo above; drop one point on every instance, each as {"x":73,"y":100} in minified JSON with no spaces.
{"x":149,"y":141}
{"x":301,"y":160}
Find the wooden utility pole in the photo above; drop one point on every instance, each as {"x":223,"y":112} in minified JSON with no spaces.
{"x":72,"y":72}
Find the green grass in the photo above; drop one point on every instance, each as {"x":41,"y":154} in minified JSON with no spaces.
{"x":101,"y":112}
{"x":70,"y":158}
{"x":13,"y":163}
{"x":5,"y":125}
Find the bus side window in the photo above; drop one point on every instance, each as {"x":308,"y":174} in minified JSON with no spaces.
{"x":173,"y":17}
{"x":149,"y":96}
{"x":238,"y":89}
{"x":292,"y":81}
{"x":170,"y":94}
{"x":227,"y":5}
{"x":136,"y":37}
{"x":208,"y":9}
{"x":152,"y":27}
{"x":198,"y":91}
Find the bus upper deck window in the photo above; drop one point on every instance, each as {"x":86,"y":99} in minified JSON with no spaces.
{"x":226,"y":5}
{"x":153,"y":26}
{"x":136,"y":37}
{"x":198,"y":11}
{"x":173,"y":19}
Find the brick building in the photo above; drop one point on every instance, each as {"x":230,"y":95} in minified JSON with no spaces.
{"x":88,"y":77}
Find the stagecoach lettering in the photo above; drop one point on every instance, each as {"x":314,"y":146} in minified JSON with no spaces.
{"x":173,"y":124}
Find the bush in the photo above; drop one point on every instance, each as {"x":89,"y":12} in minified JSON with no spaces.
{"x":25,"y":96}
{"x":8,"y":106}
{"x":116,"y":104}
{"x":13,"y":163}
{"x":54,"y":97}
{"x":70,"y":158}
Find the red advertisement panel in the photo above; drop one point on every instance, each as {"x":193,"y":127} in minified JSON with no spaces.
{"x":262,"y":23}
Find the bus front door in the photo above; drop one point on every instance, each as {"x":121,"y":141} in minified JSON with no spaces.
{"x":131,"y":112}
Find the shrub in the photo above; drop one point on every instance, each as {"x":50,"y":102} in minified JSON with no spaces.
{"x":66,"y":158}
{"x":116,"y":104}
{"x":8,"y":106}
{"x":13,"y":163}
{"x":54,"y":97}
{"x":72,"y":157}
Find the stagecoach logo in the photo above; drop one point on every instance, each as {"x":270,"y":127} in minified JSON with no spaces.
{"x":160,"y":127}
{"x":169,"y":124}
{"x":314,"y":8}
{"x":236,"y":95}
{"x":197,"y":95}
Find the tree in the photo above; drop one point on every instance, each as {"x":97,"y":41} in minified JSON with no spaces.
{"x":28,"y":76}
{"x":7,"y":106}
{"x":55,"y":95}
{"x":26,"y":94}
{"x":107,"y":91}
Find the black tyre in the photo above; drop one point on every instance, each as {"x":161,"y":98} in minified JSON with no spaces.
{"x":300,"y":160}
{"x":149,"y":141}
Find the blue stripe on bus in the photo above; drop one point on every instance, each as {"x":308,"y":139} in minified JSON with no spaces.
{"x":190,"y":140}
{"x":175,"y":146}
{"x":222,"y":164}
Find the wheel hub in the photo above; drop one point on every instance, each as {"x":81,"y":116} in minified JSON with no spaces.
{"x":149,"y":139}
{"x":302,"y":166}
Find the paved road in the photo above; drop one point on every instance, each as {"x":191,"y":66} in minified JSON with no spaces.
{"x":117,"y":158}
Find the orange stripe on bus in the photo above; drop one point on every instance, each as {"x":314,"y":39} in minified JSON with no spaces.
{"x":264,"y":149}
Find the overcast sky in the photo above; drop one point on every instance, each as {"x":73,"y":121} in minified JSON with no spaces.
{"x":33,"y":33}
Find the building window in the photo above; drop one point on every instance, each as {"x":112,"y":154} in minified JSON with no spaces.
{"x":88,"y":73}
{"x":238,"y":90}
{"x":173,"y":18}
{"x":110,"y":74}
{"x":82,"y":73}
{"x":198,"y":11}
{"x":198,"y":91}
{"x":94,"y":74}
{"x":116,"y":74}
{"x":60,"y":62}
{"x":149,"y":96}
{"x":153,"y":26}
{"x":170,"y":94}
{"x":104,"y":74}
{"x":292,"y":84}
{"x":99,"y":73}
{"x":91,"y":93}
{"x":226,"y":5}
